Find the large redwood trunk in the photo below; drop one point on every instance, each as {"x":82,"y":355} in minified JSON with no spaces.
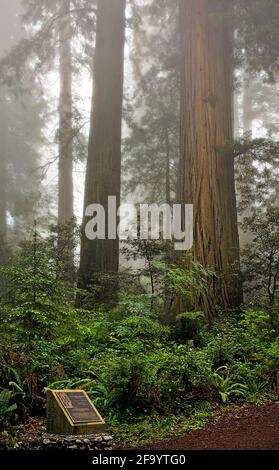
{"x":207,"y":167}
{"x":65,"y":185}
{"x":3,"y":196}
{"x":104,"y":149}
{"x":3,"y":187}
{"x":168,"y":188}
{"x":3,"y":202}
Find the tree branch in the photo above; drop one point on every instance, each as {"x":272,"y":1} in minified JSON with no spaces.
{"x":52,"y":20}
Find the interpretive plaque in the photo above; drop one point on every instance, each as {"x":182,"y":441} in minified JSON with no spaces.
{"x":72,"y":412}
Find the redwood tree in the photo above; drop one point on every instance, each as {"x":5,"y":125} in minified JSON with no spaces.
{"x":65,"y":186}
{"x":206,"y":163}
{"x":3,"y":196}
{"x":104,"y":148}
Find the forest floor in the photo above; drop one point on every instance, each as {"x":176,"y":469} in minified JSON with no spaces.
{"x":253,"y":428}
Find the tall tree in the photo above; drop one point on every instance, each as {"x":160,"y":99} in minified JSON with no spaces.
{"x":206,"y":164}
{"x":3,"y":191}
{"x":55,"y":29}
{"x":65,"y":186}
{"x":258,"y":24}
{"x":20,"y":138}
{"x":104,"y":148}
{"x":9,"y":31}
{"x":151,"y":150}
{"x":247,"y":111}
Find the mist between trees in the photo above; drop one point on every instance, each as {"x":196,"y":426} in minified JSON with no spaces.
{"x":156,"y":104}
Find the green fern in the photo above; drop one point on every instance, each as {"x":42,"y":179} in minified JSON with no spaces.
{"x":6,"y":408}
{"x":226,"y":387}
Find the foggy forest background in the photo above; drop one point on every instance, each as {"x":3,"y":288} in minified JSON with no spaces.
{"x":153,"y":101}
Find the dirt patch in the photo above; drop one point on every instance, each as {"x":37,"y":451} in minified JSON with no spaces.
{"x":253,"y":428}
{"x":250,"y":428}
{"x":24,"y":435}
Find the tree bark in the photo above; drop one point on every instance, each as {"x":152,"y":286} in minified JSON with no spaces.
{"x":247,"y":110}
{"x":3,"y":191}
{"x":168,"y":189}
{"x":206,"y":165}
{"x":246,"y":237}
{"x":3,"y":201}
{"x":104,"y":149}
{"x":236,"y":120}
{"x":65,"y":184}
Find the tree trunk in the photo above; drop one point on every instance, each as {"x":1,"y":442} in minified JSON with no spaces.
{"x":3,"y":203}
{"x":246,"y":237}
{"x":104,"y":149}
{"x":168,"y":189}
{"x":65,"y":163}
{"x":236,"y":120}
{"x":247,"y":110}
{"x":65,"y":188}
{"x":3,"y":192}
{"x":206,"y":166}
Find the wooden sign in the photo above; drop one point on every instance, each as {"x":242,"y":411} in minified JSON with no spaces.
{"x":72,"y":412}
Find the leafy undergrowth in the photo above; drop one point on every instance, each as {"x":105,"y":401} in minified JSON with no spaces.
{"x":150,"y":371}
{"x":23,"y":436}
{"x":154,"y":428}
{"x":144,"y":431}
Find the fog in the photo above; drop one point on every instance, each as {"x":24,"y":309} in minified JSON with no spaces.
{"x":139,"y":183}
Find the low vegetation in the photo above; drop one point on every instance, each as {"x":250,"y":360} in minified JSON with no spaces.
{"x":150,"y":374}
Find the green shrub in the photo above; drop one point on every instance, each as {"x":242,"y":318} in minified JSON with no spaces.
{"x":137,"y":358}
{"x":226,"y":387}
{"x":7,"y":408}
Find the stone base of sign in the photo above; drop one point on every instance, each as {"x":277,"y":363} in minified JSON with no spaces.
{"x":89,"y":442}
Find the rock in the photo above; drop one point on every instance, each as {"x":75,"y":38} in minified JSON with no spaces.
{"x":46,"y":442}
{"x":88,"y":442}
